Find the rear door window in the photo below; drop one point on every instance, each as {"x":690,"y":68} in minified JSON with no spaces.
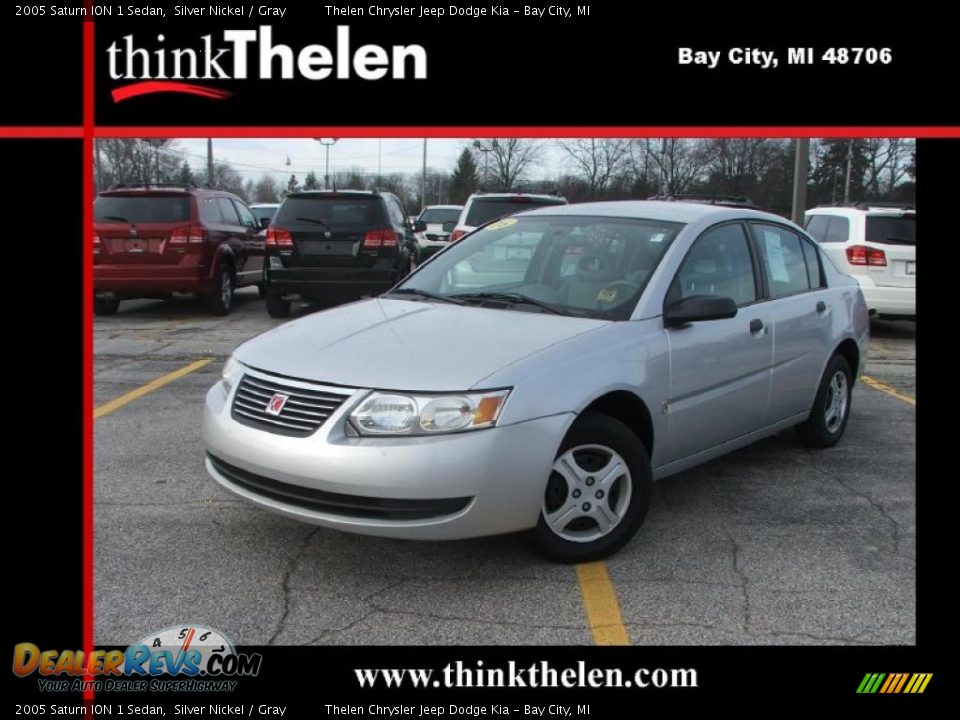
{"x":210,"y":211}
{"x":228,"y":211}
{"x":784,"y":262}
{"x":838,"y":230}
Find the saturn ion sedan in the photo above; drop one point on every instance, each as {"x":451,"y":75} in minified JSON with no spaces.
{"x":541,"y":373}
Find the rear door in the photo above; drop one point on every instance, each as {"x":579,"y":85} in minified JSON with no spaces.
{"x":233,"y":233}
{"x":335,"y":230}
{"x":252,"y":241}
{"x":802,"y":310}
{"x":896,"y":235}
{"x":140,"y":228}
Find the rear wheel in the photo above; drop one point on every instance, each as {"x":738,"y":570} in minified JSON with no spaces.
{"x":277,"y":307}
{"x":220,"y":299}
{"x":264,"y":283}
{"x":105,"y":305}
{"x":831,"y":408}
{"x":597,"y":494}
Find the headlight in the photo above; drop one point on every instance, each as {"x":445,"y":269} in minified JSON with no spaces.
{"x":231,"y":373}
{"x":383,"y":413}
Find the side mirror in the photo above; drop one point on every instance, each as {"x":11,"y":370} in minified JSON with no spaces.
{"x":449,"y":225}
{"x":418,"y":226}
{"x":264,"y":223}
{"x":697,"y":308}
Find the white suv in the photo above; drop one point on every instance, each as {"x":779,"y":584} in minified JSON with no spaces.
{"x":484,"y":207}
{"x":877,"y":244}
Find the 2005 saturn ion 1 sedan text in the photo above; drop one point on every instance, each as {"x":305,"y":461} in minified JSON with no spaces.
{"x":541,"y":373}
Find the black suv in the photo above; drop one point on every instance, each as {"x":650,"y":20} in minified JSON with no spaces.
{"x":328,"y":245}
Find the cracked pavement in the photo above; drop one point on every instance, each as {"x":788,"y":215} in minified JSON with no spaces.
{"x":771,"y":545}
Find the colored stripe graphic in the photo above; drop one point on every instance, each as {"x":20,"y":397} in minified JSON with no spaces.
{"x":149,"y":87}
{"x":894,"y":683}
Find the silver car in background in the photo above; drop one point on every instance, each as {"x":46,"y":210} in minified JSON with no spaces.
{"x":541,"y":373}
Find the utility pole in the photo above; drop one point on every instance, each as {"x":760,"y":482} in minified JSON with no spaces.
{"x":423,"y":180}
{"x":379,"y":162}
{"x":210,"y":162}
{"x":846,"y":186}
{"x":801,"y":165}
{"x":327,"y":143}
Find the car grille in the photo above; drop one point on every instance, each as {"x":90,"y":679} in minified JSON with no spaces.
{"x":299,"y":415}
{"x":358,"y":506}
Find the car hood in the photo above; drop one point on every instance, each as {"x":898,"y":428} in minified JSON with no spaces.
{"x":407,"y":345}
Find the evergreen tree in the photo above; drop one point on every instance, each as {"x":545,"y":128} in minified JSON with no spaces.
{"x":464,"y":180}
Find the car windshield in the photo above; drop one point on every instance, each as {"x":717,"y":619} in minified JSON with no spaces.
{"x":484,"y":209}
{"x":583,"y":266}
{"x":892,"y":230}
{"x":142,"y":208}
{"x":438,"y":216}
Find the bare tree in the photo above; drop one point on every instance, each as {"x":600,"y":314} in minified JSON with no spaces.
{"x":676,"y":162}
{"x":738,"y":163}
{"x":597,"y":160}
{"x":135,"y":160}
{"x":511,"y":159}
{"x":887,"y":164}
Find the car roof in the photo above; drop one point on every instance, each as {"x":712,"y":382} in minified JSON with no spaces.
{"x":862,"y":209}
{"x":539,"y":196}
{"x":321,"y":193}
{"x":444,"y":207}
{"x":264,"y":205}
{"x":164,"y":189}
{"x":668,"y":211}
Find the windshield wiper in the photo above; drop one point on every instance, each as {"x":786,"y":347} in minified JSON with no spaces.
{"x":425,"y":294}
{"x":312,"y":220}
{"x":511,"y":298}
{"x":116,"y":217}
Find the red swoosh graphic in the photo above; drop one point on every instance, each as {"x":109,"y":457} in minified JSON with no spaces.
{"x":149,"y":87}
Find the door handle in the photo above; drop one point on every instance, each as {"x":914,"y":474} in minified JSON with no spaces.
{"x":756,"y":325}
{"x":821,"y":306}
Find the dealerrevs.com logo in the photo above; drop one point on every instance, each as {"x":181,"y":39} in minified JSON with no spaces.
{"x":252,"y":54}
{"x":189,"y":658}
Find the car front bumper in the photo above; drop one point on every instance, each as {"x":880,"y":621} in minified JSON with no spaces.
{"x":497,"y":476}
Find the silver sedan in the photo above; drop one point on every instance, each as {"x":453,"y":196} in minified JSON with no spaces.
{"x":540,"y":374}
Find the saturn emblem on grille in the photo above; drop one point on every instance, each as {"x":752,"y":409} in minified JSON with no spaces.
{"x":276,"y":403}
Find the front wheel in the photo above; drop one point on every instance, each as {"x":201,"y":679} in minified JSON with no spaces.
{"x":598,"y":492}
{"x":831,"y":408}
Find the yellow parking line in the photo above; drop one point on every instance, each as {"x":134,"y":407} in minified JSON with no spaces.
{"x":892,"y":392}
{"x":119,"y":402}
{"x":600,"y":602}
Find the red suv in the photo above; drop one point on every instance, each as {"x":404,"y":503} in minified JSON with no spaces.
{"x":154,"y":240}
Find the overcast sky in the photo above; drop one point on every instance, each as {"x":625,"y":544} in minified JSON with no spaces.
{"x":281,"y":157}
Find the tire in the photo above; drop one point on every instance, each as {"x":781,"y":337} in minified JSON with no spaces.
{"x":105,"y":306}
{"x":221,"y":298}
{"x":265,"y":284}
{"x":277,"y":307}
{"x":571,"y":526}
{"x":831,"y":408}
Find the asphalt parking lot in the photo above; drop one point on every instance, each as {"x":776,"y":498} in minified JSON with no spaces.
{"x":774,"y":544}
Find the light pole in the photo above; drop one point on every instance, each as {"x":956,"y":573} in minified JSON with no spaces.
{"x":326,"y":142}
{"x":485,"y":150}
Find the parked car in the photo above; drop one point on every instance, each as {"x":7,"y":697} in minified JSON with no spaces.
{"x":628,"y":341}
{"x":440,"y":221}
{"x":325,"y":244}
{"x":484,"y":207}
{"x":877,"y":244}
{"x":151,"y":241}
{"x":264,"y":212}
